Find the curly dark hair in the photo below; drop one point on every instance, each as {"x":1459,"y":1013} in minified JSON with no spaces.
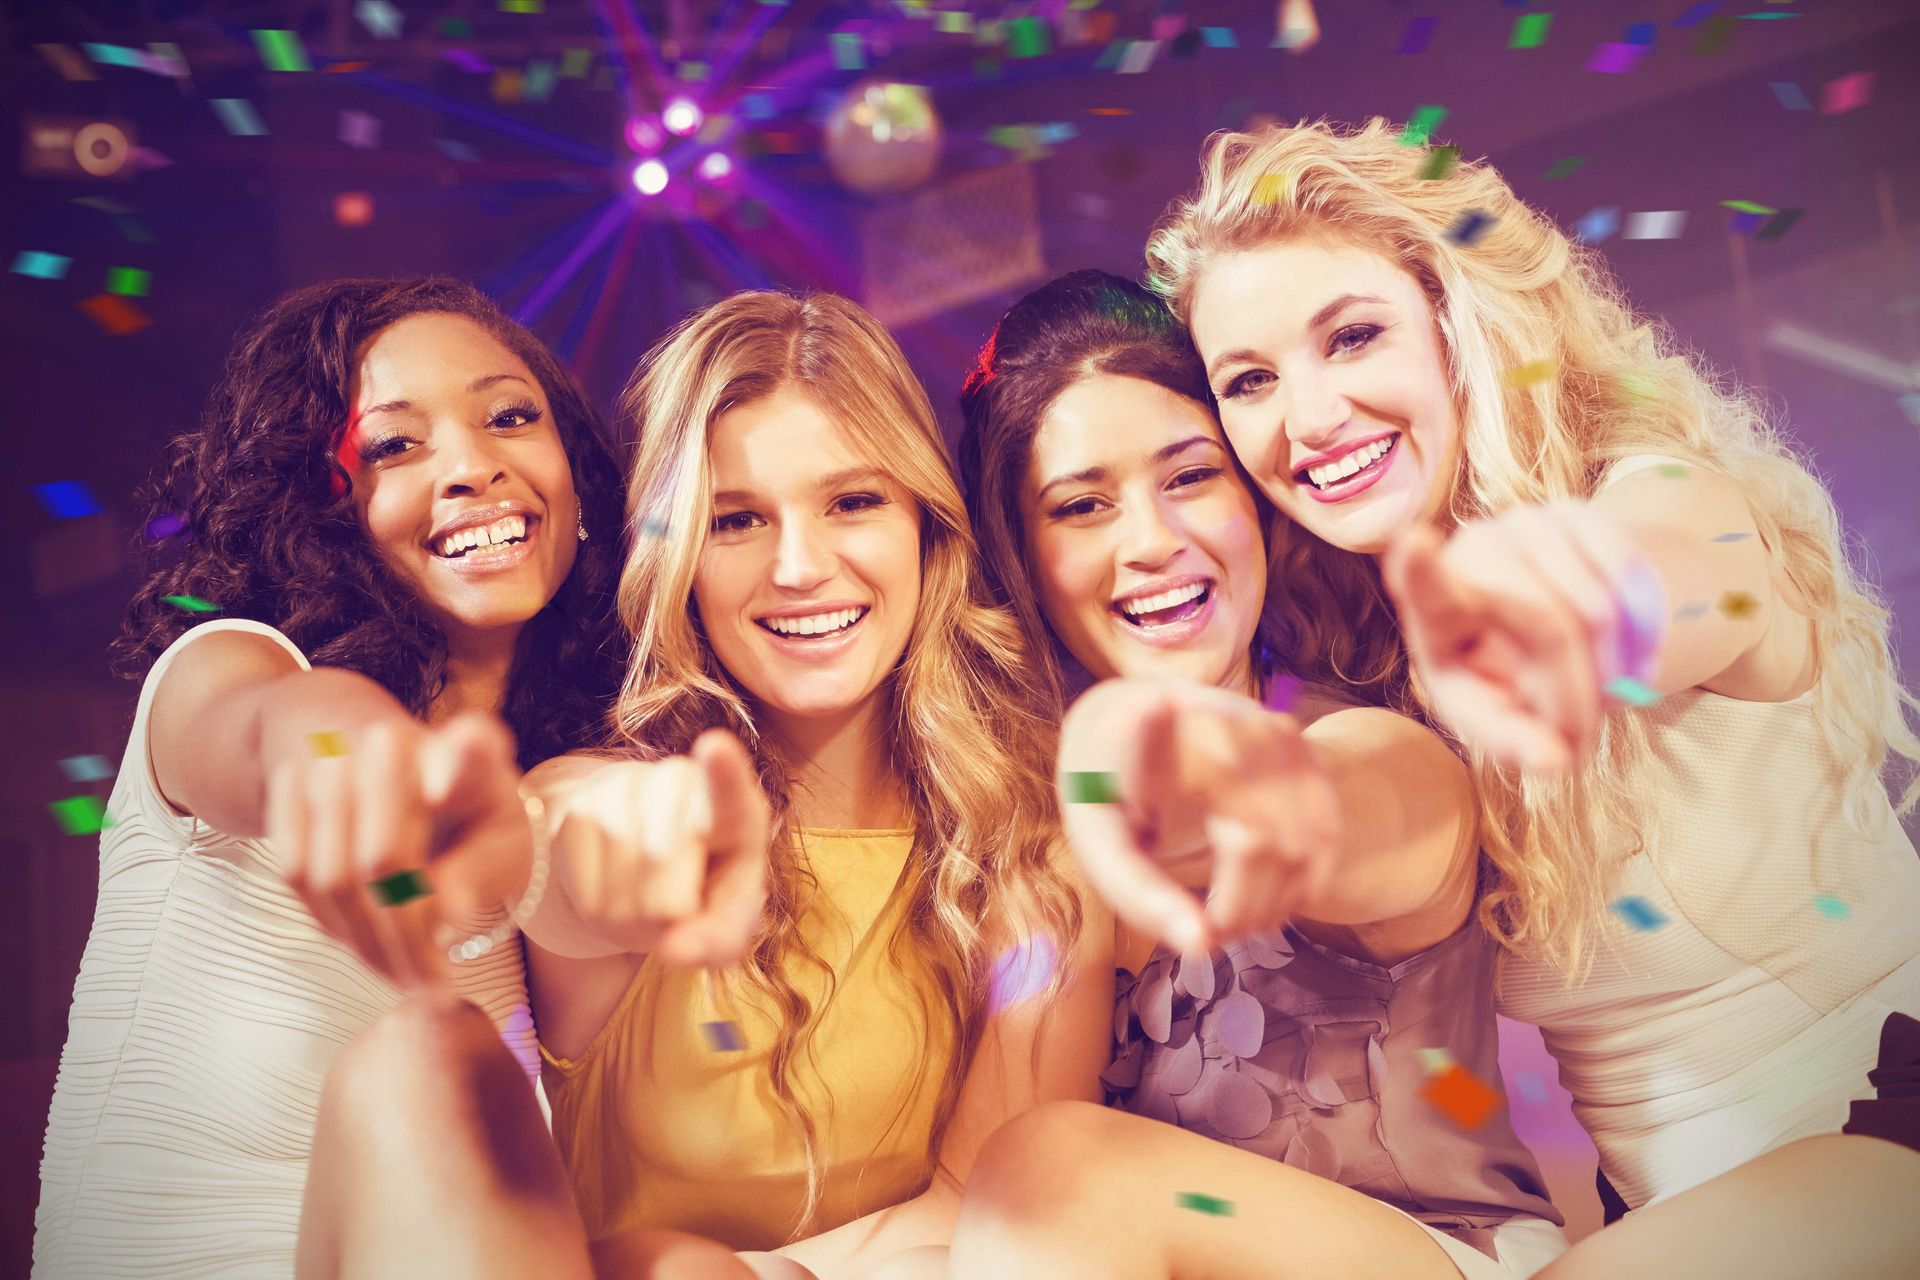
{"x":255,"y":513}
{"x":1079,"y":324}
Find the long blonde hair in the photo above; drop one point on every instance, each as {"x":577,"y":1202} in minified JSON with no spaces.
{"x":1519,"y":293}
{"x":974,"y":759}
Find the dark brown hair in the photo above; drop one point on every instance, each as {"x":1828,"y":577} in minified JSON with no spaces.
{"x":264,"y":526}
{"x":1083,"y":323}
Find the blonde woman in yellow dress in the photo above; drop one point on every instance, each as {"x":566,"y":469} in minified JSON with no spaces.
{"x":1631,"y":572}
{"x":804,"y":582}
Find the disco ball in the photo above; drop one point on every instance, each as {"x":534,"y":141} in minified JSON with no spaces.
{"x":884,"y":136}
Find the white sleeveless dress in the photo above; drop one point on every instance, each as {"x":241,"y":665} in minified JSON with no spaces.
{"x":207,"y":1010}
{"x":1749,"y":1017}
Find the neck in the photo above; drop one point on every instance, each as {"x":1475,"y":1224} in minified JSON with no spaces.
{"x":477,"y":670}
{"x":1239,"y":678}
{"x":841,"y":772}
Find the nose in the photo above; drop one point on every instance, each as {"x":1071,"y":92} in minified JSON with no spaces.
{"x":1150,"y":536}
{"x":1313,"y":411}
{"x":472,"y":466}
{"x":802,"y":560}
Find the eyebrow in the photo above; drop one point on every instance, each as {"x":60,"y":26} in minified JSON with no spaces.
{"x":1321,"y":317}
{"x":1086,"y":474}
{"x":474,"y":387}
{"x":835,"y":480}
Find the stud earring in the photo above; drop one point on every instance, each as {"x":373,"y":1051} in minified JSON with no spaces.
{"x":580,"y":523}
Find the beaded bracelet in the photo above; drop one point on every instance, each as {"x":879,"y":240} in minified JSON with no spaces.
{"x":481,"y":943}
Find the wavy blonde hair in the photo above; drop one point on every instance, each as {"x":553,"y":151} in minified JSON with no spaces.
{"x":1522,"y":292}
{"x":973,"y":756}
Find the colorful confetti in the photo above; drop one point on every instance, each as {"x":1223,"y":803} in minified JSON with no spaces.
{"x":849,"y":51}
{"x":1780,"y":223}
{"x":67,"y":499}
{"x":1672,"y":470}
{"x":1204,"y":1204}
{"x":1713,"y":36}
{"x":1664,"y":224}
{"x":1699,"y":13}
{"x":1531,"y":1088}
{"x":162,"y":527}
{"x":1529,"y":31}
{"x":1638,"y":913}
{"x":128,"y":282}
{"x":1615,"y":58}
{"x":1469,"y":226}
{"x":1087,"y":787}
{"x":1748,"y":206}
{"x":1597,"y":225}
{"x":1418,"y":32}
{"x":327,"y":744}
{"x":1420,"y":128}
{"x":1790,"y":95}
{"x":1731,"y":537}
{"x":192,"y":604}
{"x":41,"y":266}
{"x":238,"y":115}
{"x":401,"y":887}
{"x":114,"y":314}
{"x":1270,"y":188}
{"x":1632,"y":692}
{"x":1527,"y":375}
{"x":353,"y":209}
{"x":1022,"y":972}
{"x":1284,"y":692}
{"x":86,"y":768}
{"x":1563,"y":168}
{"x":723,"y":1036}
{"x":1837,"y":97}
{"x":281,"y":51}
{"x":1737,"y":605}
{"x":1832,"y":908}
{"x":1434,"y":1061}
{"x":1028,"y":38}
{"x":1440,"y":163}
{"x":1688,"y":612}
{"x":80,"y":815}
{"x":379,"y":17}
{"x":1461,"y":1097}
{"x":360,"y":130}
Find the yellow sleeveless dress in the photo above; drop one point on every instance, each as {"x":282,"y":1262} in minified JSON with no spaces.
{"x":661,"y":1128}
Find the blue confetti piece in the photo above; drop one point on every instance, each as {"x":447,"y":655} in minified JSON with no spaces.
{"x":1790,"y":94}
{"x":1638,"y":912}
{"x":1832,"y":908}
{"x":1219,"y":38}
{"x":1470,"y":226}
{"x":238,"y":115}
{"x":1640,"y":33}
{"x":116,"y":55}
{"x":1632,"y":692}
{"x":1414,"y":39}
{"x":1731,"y":537}
{"x":379,"y":18}
{"x":1022,"y":972}
{"x":723,"y":1036}
{"x":41,"y":266}
{"x":86,"y":768}
{"x":1531,"y":1088}
{"x":758,"y":106}
{"x":66,"y":499}
{"x":1597,"y":225}
{"x":1696,"y":15}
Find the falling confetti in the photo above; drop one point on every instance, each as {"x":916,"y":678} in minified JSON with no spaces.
{"x":281,"y":51}
{"x":1284,"y":692}
{"x":1661,"y":225}
{"x":128,"y":282}
{"x":1420,"y":128}
{"x":1086,"y":787}
{"x":1737,"y":605}
{"x":353,"y":209}
{"x":1672,"y":471}
{"x":1434,"y":1061}
{"x":401,"y":887}
{"x":80,"y":815}
{"x":1205,"y":1204}
{"x":1832,"y":908}
{"x":1531,"y":1088}
{"x":379,"y":17}
{"x":327,"y":744}
{"x":1790,"y":95}
{"x":1837,"y":97}
{"x":1414,"y":38}
{"x":238,"y":115}
{"x":360,"y":130}
{"x":165,"y":526}
{"x":192,"y":604}
{"x":1597,"y":225}
{"x":1638,"y":912}
{"x":1632,"y":692}
{"x":1469,"y":227}
{"x":1022,"y":972}
{"x":1270,"y":188}
{"x":1531,"y":373}
{"x":1780,"y":223}
{"x":114,"y":314}
{"x":86,"y":768}
{"x":42,"y":266}
{"x":1440,"y":163}
{"x":1461,"y":1096}
{"x":1615,"y":59}
{"x":67,"y":499}
{"x":1028,"y":38}
{"x":1563,"y":168}
{"x":1713,"y":36}
{"x":1748,"y":206}
{"x":1530,"y":30}
{"x":723,"y":1036}
{"x":1688,"y":612}
{"x":1731,"y":537}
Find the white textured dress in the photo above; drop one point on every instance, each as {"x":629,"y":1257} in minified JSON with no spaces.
{"x":1749,"y":1015}
{"x":207,"y":1010}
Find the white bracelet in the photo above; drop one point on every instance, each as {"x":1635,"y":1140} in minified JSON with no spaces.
{"x":481,"y":943}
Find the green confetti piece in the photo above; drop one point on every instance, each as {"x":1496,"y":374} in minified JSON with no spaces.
{"x":574,"y":63}
{"x":1425,"y":120}
{"x":1205,"y":1204}
{"x":953,"y":22}
{"x":523,"y":6}
{"x":1563,"y":168}
{"x":400,"y":888}
{"x":327,"y":744}
{"x":1832,"y":908}
{"x":1747,"y":206}
{"x":694,"y":71}
{"x":1027,"y":38}
{"x":1440,"y":163}
{"x":849,"y":51}
{"x":192,"y":604}
{"x":281,"y":51}
{"x":1632,"y":692}
{"x":1091,"y":788}
{"x":80,"y":815}
{"x":1530,"y":30}
{"x":1673,"y":471}
{"x":128,"y":282}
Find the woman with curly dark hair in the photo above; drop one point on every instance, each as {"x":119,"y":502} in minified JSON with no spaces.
{"x":401,"y":513}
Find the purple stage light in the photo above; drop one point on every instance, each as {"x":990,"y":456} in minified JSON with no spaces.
{"x":650,"y":177}
{"x":716,"y":166}
{"x":681,"y":117}
{"x":644,"y":135}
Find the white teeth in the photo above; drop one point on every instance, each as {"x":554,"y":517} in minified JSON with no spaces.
{"x":814,"y":624}
{"x":1163,"y":600}
{"x":1353,"y":462}
{"x":505,"y":529}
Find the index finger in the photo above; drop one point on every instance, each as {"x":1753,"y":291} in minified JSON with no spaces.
{"x":1126,"y":876}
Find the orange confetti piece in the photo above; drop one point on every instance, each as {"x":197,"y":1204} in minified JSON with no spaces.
{"x":1271,"y":188}
{"x":1737,"y":604}
{"x":353,"y":209}
{"x":114,"y":314}
{"x":1526,"y":375}
{"x":1461,"y":1097}
{"x":1109,"y":111}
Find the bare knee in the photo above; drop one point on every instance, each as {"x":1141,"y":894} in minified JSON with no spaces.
{"x":1038,"y":1159}
{"x":667,"y":1255}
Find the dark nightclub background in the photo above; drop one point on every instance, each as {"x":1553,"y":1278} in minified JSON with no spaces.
{"x":604,"y":166}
